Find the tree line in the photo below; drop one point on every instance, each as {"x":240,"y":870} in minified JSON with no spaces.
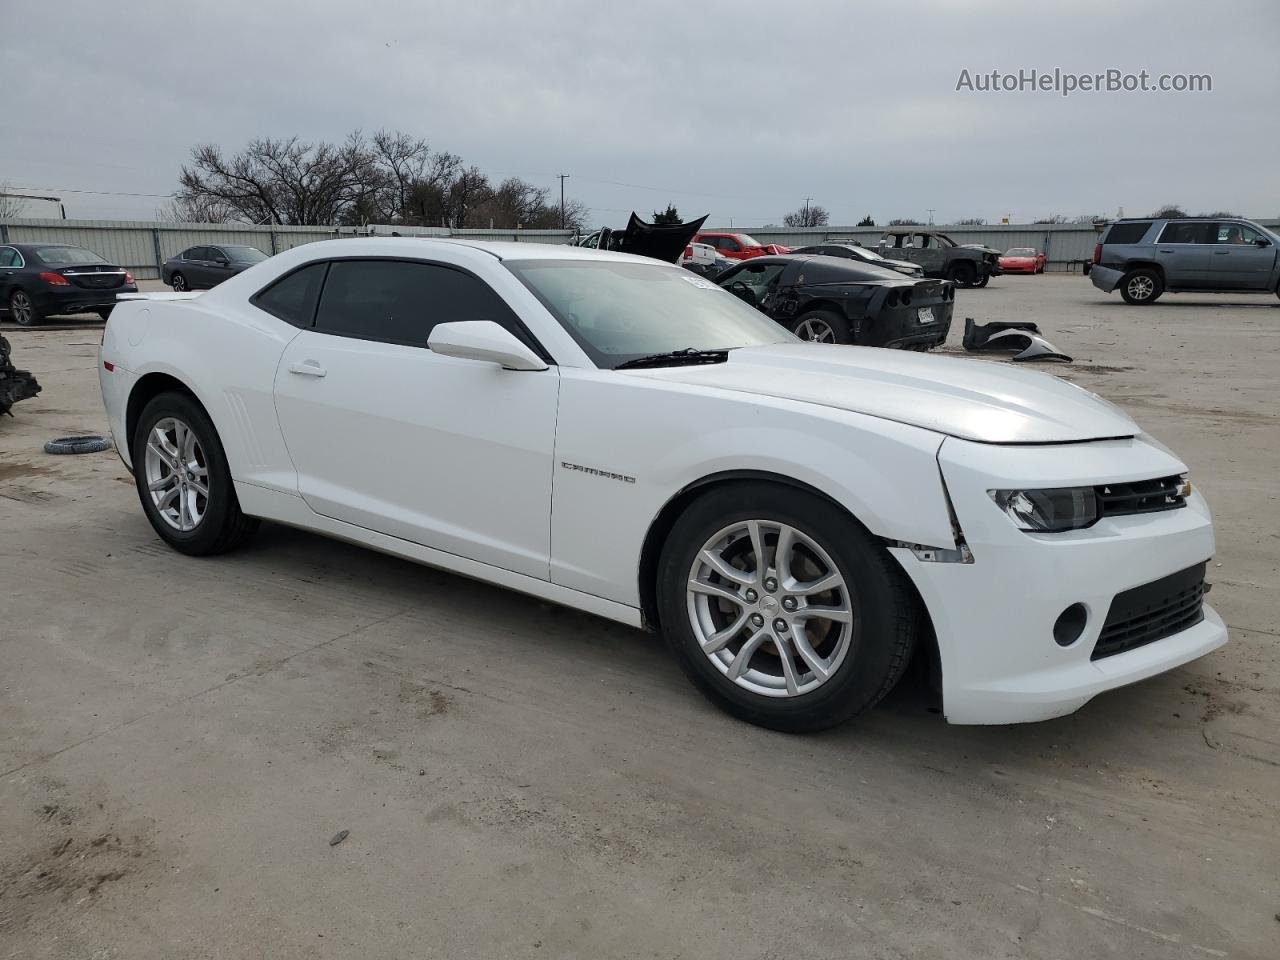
{"x":390,"y":177}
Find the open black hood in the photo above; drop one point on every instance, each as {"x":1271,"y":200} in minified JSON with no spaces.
{"x":660,"y":242}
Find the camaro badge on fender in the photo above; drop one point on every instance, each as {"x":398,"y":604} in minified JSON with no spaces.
{"x":597,"y":473}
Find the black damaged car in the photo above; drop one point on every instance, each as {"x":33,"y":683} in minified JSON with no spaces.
{"x":835,"y":300}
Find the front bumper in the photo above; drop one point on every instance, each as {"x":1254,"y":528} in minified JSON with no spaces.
{"x":56,"y":301}
{"x":994,"y":617}
{"x":1018,"y":267}
{"x":1105,"y":279}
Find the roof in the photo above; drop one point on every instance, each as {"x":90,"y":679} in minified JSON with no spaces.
{"x":420,"y":246}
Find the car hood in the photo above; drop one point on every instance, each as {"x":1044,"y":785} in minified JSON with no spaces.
{"x":971,"y":399}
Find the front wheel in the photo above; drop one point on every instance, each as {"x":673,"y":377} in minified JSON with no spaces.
{"x":23,"y":309}
{"x":181,"y":473}
{"x":983,"y":280}
{"x":179,"y":283}
{"x":962,"y":274}
{"x":782,"y":609}
{"x":822,"y":326}
{"x":1140,"y":287}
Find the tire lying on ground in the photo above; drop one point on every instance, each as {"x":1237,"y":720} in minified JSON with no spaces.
{"x":90,"y":443}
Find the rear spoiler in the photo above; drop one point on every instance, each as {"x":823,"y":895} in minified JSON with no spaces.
{"x":157,"y":296}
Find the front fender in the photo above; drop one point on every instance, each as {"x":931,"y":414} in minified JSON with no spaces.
{"x":611,"y":484}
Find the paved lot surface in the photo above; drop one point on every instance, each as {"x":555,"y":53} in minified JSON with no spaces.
{"x":180,"y":739}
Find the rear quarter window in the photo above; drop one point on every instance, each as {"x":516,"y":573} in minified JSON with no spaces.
{"x":1128,"y":232}
{"x":293,"y":297}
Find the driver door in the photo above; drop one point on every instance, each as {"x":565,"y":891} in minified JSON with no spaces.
{"x":386,"y":435}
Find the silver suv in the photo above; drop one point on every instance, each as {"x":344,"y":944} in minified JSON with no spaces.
{"x":1145,"y":258}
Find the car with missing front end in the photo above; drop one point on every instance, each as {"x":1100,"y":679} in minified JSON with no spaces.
{"x":843,"y":300}
{"x":621,"y":436}
{"x":39,"y":280}
{"x":852,"y":250}
{"x":1145,"y":258}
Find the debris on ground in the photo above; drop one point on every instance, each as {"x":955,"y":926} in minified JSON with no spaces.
{"x":91,"y":443}
{"x":1020,"y":335}
{"x":15,"y":384}
{"x":338,"y":837}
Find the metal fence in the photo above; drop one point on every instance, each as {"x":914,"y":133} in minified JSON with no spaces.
{"x":143,"y":246}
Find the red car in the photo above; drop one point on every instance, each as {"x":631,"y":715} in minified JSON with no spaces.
{"x":1022,"y":260}
{"x":739,"y":246}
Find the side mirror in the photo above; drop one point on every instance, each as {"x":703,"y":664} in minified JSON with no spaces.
{"x":1263,"y":242}
{"x":483,"y":340}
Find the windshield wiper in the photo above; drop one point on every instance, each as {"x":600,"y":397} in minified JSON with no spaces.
{"x":676,"y":358}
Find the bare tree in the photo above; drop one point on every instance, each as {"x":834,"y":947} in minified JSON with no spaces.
{"x":10,"y":206}
{"x":867,"y":221}
{"x":1083,"y":218}
{"x":971,"y":222}
{"x":810,"y":215}
{"x":1170,"y":210}
{"x":198,"y":209}
{"x":1052,"y":218}
{"x":904,"y":222}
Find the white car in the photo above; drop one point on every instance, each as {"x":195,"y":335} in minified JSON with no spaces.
{"x":621,"y":436}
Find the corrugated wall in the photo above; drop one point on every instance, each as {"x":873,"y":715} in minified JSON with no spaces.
{"x":142,"y":246}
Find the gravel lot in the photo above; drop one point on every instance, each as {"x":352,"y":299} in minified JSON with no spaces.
{"x":180,"y":739}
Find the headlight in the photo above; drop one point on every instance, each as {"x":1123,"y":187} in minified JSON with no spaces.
{"x":1049,"y":511}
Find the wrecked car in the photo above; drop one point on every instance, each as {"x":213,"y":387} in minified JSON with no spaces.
{"x":15,"y":384}
{"x":852,"y":250}
{"x":940,"y":256}
{"x":667,"y":242}
{"x":835,"y":300}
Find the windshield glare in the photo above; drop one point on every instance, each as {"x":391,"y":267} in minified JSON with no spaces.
{"x":245,"y":254}
{"x":61,"y":255}
{"x":1020,"y":252}
{"x":618,"y":311}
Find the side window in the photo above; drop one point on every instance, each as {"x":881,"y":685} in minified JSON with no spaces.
{"x":400,"y":302}
{"x":1187,"y":232}
{"x":1234,"y":233}
{"x":8,"y":257}
{"x":1128,"y":232}
{"x":216,"y":253}
{"x":730,"y":244}
{"x":293,"y":298}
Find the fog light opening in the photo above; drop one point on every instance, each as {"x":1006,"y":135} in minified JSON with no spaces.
{"x":1070,"y":624}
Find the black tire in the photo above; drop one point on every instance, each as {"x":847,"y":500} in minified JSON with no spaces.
{"x":105,"y":313}
{"x":23,"y":310}
{"x":223,"y":526}
{"x":813,"y":320}
{"x":1141,"y":286}
{"x":962,"y":274}
{"x":179,"y":283}
{"x":983,"y":280}
{"x":62,"y":446}
{"x":885,"y":609}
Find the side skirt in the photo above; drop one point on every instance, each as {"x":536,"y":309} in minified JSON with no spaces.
{"x":293,"y":511}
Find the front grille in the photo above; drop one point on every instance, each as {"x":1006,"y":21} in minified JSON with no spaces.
{"x":1152,"y":612}
{"x":1142,"y":496}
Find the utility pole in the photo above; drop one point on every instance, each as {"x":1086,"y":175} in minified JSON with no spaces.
{"x":931,"y":209}
{"x":805,"y":215}
{"x":562,"y":177}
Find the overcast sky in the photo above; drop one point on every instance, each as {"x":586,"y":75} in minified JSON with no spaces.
{"x":736,"y":108}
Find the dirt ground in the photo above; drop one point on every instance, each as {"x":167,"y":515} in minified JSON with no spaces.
{"x":181,"y":739}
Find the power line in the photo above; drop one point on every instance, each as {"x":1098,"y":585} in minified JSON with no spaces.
{"x":101,"y":193}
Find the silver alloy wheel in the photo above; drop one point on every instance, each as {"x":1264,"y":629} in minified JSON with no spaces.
{"x":179,"y":283}
{"x":816,"y":330}
{"x":177,"y":474}
{"x":1141,"y":287}
{"x":769,"y":608}
{"x":22,"y":308}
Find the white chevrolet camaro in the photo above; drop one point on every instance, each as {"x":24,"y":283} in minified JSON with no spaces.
{"x":621,"y":436}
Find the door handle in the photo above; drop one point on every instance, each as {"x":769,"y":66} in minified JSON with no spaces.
{"x":1163,"y":250}
{"x":308,"y":368}
{"x":1221,"y":253}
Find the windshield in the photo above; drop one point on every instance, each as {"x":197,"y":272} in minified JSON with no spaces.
{"x":62,"y":255}
{"x":245,"y":254}
{"x":1020,"y":252}
{"x":619,"y":311}
{"x":867,"y":254}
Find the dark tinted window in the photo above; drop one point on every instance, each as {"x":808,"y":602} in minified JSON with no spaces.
{"x":1233,"y":233}
{"x":399,"y":302}
{"x":8,"y":257}
{"x":1128,"y":232}
{"x":293,"y":298}
{"x":1187,"y":233}
{"x":190,"y":253}
{"x":244,"y":254}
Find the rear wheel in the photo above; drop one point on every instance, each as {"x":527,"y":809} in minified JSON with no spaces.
{"x":179,"y":283}
{"x":181,"y":474}
{"x":822,"y":326}
{"x":782,"y":609}
{"x":23,"y":309}
{"x":1142,"y":286}
{"x":962,"y":274}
